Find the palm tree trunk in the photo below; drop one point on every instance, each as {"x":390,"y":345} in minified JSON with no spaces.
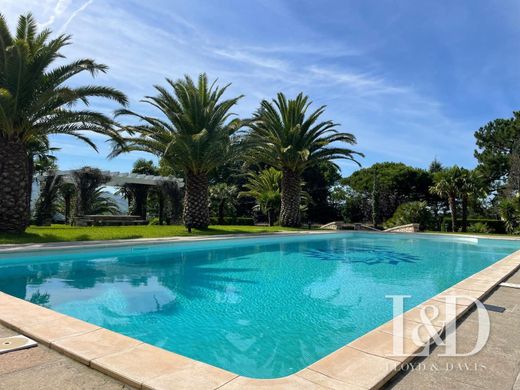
{"x":160,"y":199}
{"x":291,"y":191}
{"x":140,"y":200}
{"x":15,"y":183}
{"x":196,"y":206}
{"x":270,"y":217}
{"x":453,"y":211}
{"x":67,"y":199}
{"x":221,"y":212}
{"x":464,"y":213}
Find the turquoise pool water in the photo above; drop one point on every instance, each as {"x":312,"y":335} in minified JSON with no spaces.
{"x":263,"y":307}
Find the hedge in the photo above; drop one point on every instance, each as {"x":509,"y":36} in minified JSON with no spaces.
{"x":496,"y":225}
{"x":243,"y":221}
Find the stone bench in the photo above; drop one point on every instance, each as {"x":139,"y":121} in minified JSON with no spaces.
{"x":108,"y":220}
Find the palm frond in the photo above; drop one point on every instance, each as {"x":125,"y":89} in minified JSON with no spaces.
{"x":284,"y":135}
{"x":35,"y":98}
{"x":196,"y":133}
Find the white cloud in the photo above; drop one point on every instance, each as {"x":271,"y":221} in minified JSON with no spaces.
{"x":74,"y":14}
{"x":59,"y":8}
{"x":364,"y":83}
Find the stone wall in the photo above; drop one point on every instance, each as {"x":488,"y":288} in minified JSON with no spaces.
{"x":410,"y":228}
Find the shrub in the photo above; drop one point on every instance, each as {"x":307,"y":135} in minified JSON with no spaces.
{"x":411,"y":212}
{"x":154,"y":221}
{"x":494,"y":225}
{"x":243,"y":221}
{"x":509,"y":209}
{"x":479,"y":227}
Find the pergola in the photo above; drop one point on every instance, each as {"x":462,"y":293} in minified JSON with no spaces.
{"x":118,"y":179}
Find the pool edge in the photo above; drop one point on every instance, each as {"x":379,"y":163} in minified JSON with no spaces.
{"x":16,"y":249}
{"x":360,"y":364}
{"x":30,"y":248}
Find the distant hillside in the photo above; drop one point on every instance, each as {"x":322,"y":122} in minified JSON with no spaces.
{"x":121,"y":202}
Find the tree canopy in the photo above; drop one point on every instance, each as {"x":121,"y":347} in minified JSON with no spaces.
{"x":496,"y":143}
{"x":396,"y":183}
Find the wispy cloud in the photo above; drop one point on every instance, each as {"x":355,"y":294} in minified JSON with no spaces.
{"x":58,"y":10}
{"x":364,"y":83}
{"x":251,"y":59}
{"x":74,"y":14}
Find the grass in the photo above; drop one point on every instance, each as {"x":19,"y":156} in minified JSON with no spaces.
{"x":483,"y":235}
{"x":65,"y":233}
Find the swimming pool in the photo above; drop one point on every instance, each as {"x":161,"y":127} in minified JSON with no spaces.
{"x":260,"y":307}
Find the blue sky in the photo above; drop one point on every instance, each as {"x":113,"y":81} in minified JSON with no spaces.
{"x":411,"y":79}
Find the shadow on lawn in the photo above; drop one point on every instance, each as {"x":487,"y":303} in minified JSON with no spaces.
{"x":25,"y":238}
{"x":65,"y":233}
{"x":34,"y":238}
{"x":234,"y":230}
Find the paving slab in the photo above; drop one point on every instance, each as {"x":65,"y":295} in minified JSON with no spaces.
{"x":44,"y":369}
{"x":515,"y":278}
{"x":496,"y":366}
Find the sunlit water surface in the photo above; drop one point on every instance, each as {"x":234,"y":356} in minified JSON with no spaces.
{"x":262,"y":307}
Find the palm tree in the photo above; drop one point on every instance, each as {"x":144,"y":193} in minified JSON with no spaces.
{"x":195,"y":137}
{"x":509,"y":210}
{"x":264,"y":187}
{"x":284,"y":136}
{"x":223,"y":197}
{"x":101,"y":203}
{"x":67,"y":192}
{"x":169,"y":196}
{"x":35,"y":103}
{"x":447,"y":184}
{"x":89,"y":197}
{"x":46,"y":205}
{"x":137,"y":194}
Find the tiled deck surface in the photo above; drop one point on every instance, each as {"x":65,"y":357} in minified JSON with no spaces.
{"x":496,"y":366}
{"x":44,"y":369}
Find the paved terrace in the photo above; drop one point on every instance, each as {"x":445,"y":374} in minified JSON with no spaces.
{"x":44,"y":369}
{"x":496,"y":366}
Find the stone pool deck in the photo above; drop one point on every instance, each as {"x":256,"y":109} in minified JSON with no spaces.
{"x":44,"y":369}
{"x":496,"y":366}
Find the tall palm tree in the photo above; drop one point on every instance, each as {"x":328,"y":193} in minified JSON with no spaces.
{"x":447,"y":184}
{"x":285,"y":136}
{"x":264,"y":187}
{"x":35,"y":102}
{"x":195,"y":136}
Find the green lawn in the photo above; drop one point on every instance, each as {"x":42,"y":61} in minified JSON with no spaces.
{"x":57,"y":233}
{"x":483,"y":235}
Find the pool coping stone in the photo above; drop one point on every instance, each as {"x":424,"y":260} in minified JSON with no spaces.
{"x":15,"y":249}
